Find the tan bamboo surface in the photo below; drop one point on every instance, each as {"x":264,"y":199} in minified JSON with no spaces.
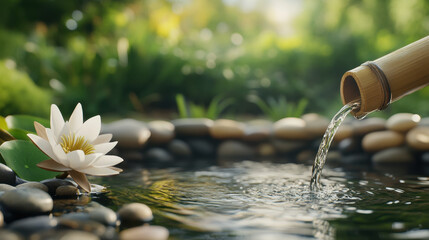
{"x":406,"y":71}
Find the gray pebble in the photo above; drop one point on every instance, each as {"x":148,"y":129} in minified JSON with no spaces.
{"x":81,"y":222}
{"x":1,"y":219}
{"x":9,"y":235}
{"x":192,"y":126}
{"x":27,"y":201}
{"x":145,"y":232}
{"x":134,"y":214}
{"x":393,"y":155}
{"x":103,"y":215}
{"x":37,"y":185}
{"x":7,"y":175}
{"x":54,"y":183}
{"x":64,"y":235}
{"x":159,"y":155}
{"x":233,"y":149}
{"x":28,"y":226}
{"x":6,"y":187}
{"x":66,"y":191}
{"x":179,"y":148}
{"x":201,"y":147}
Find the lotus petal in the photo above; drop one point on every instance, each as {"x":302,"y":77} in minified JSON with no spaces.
{"x":57,"y":120}
{"x":52,"y":165}
{"x":104,"y":147}
{"x":90,"y":129}
{"x":76,"y":118}
{"x":107,"y":161}
{"x":99,"y":171}
{"x":103,"y":138}
{"x":81,"y":180}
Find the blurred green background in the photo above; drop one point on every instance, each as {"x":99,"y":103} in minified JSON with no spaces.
{"x":118,"y":57}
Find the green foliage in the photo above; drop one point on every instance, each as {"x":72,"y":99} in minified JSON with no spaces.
{"x":280,"y":108}
{"x":191,"y":110}
{"x":22,"y":156}
{"x":18,"y":94}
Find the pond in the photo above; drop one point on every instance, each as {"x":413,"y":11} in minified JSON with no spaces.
{"x":203,"y":199}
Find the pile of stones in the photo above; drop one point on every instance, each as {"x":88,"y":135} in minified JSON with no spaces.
{"x":400,"y":138}
{"x":55,"y":209}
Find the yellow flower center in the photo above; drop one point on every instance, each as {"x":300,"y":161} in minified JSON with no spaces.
{"x":72,"y":143}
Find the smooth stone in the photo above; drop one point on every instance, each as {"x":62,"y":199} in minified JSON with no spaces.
{"x":103,"y":215}
{"x":192,"y":126}
{"x":350,"y":145}
{"x":257,"y":133}
{"x":81,"y":224}
{"x":418,"y":138}
{"x":288,"y":146}
{"x":161,"y":131}
{"x":20,"y":181}
{"x":158,"y":154}
{"x":227,"y":129}
{"x":369,"y":125}
{"x":67,"y":191}
{"x":54,"y":183}
{"x":393,"y":155}
{"x":424,"y":122}
{"x":179,"y":148}
{"x":9,"y":235}
{"x":1,"y":219}
{"x":6,"y":187}
{"x":27,"y":201}
{"x":145,"y":232}
{"x":291,"y":128}
{"x":316,"y":124}
{"x":425,"y":158}
{"x":7,"y":175}
{"x":28,"y":226}
{"x":377,"y":141}
{"x":402,"y":122}
{"x":133,"y":214}
{"x":64,"y":235}
{"x":234,"y":149}
{"x":343,"y":132}
{"x":266,"y":149}
{"x":130,"y":133}
{"x":201,"y":147}
{"x":37,"y":185}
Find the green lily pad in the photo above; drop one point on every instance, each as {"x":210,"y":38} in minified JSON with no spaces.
{"x":25,"y":122}
{"x":19,"y":133}
{"x":22,"y":156}
{"x":3,"y":124}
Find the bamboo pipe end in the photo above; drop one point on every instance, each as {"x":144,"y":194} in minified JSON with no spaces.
{"x":361,"y":84}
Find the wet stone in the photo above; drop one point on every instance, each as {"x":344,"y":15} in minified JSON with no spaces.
{"x":64,"y":235}
{"x":20,"y":181}
{"x":134,"y":214}
{"x":104,"y":216}
{"x":424,"y":122}
{"x":1,"y":219}
{"x":27,"y":201}
{"x":37,"y":185}
{"x":9,"y":235}
{"x":192,"y":126}
{"x":66,"y":191}
{"x":28,"y":226}
{"x":161,"y":131}
{"x":7,"y":175}
{"x":425,"y":158}
{"x":54,"y":183}
{"x":81,"y":222}
{"x":227,"y":129}
{"x":257,"y":133}
{"x":158,"y":155}
{"x":179,"y":148}
{"x":6,"y":187}
{"x":377,"y":141}
{"x":393,"y":155}
{"x":145,"y":233}
{"x":402,"y":122}
{"x":343,"y":132}
{"x":418,"y":138}
{"x":350,"y":145}
{"x":266,"y":149}
{"x":316,"y":124}
{"x":355,"y":158}
{"x":130,"y":133}
{"x":201,"y":147}
{"x":288,"y":146}
{"x":235,"y":149}
{"x":369,"y":125}
{"x":291,"y":128}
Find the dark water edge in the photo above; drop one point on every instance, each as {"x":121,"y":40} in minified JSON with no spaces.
{"x":225,"y":199}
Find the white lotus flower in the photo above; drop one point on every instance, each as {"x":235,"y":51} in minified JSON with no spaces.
{"x":76,"y":147}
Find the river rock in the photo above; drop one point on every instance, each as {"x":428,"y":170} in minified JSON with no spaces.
{"x":201,"y":147}
{"x":6,"y":187}
{"x":316,"y":124}
{"x":402,"y":122}
{"x":288,"y":146}
{"x":257,"y":133}
{"x":377,"y":141}
{"x":393,"y":155}
{"x":37,"y":185}
{"x":145,"y":232}
{"x":234,"y":149}
{"x":161,"y":131}
{"x":291,"y":128}
{"x":103,"y":215}
{"x":7,"y":175}
{"x":27,"y":201}
{"x":350,"y":145}
{"x":158,"y":154}
{"x":192,"y":126}
{"x":67,"y":221}
{"x":130,"y":133}
{"x":424,"y":122}
{"x":418,"y":138}
{"x":28,"y":226}
{"x":227,"y":129}
{"x":179,"y":148}
{"x":54,"y":183}
{"x":343,"y":132}
{"x":66,"y":191}
{"x":9,"y":235}
{"x":134,"y":214}
{"x":1,"y":219}
{"x":64,"y":235}
{"x":369,"y":125}
{"x":266,"y":150}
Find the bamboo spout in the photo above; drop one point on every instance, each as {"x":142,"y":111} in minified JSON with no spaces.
{"x":377,"y":84}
